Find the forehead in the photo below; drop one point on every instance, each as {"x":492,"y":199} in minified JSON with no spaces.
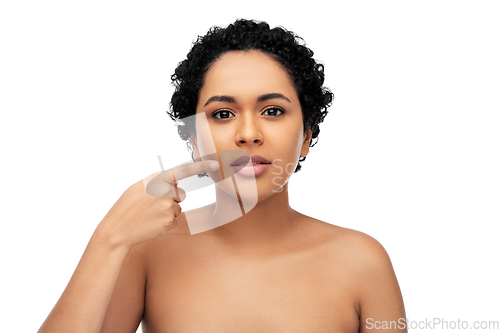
{"x":246,"y":73}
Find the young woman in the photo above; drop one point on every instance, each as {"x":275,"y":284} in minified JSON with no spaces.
{"x":272,"y":269}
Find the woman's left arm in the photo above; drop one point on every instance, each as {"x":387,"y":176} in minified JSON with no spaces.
{"x":381,"y":307}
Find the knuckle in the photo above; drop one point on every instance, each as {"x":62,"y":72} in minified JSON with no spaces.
{"x":167,"y":204}
{"x":170,"y":222}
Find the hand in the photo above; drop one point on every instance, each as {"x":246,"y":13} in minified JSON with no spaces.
{"x":150,"y":207}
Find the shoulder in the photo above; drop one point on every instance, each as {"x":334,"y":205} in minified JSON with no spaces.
{"x":363,"y":265}
{"x":355,"y":250}
{"x":358,"y":242}
{"x":361,"y":248}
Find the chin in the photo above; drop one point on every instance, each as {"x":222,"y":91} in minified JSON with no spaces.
{"x":264,"y":191}
{"x":251,"y":190}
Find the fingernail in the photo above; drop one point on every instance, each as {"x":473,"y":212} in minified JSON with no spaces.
{"x":214,"y":165}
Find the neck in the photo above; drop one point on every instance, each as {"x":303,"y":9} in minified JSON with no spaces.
{"x":266,"y":226}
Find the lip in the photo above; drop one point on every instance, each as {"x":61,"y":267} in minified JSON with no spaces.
{"x":244,"y":166}
{"x":250,"y":170}
{"x":245,"y":159}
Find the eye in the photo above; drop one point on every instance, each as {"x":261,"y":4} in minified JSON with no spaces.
{"x":223,"y":114}
{"x":274,"y":111}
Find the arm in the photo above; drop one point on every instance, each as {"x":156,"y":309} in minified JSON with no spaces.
{"x":380,"y":300}
{"x":83,"y":304}
{"x":106,"y":291}
{"x":135,"y":218}
{"x":126,"y":306}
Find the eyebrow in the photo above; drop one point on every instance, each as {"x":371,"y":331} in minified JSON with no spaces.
{"x":265,"y":97}
{"x":231,"y":99}
{"x":220,"y":98}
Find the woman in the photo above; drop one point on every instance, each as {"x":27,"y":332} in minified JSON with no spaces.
{"x":268,"y":269}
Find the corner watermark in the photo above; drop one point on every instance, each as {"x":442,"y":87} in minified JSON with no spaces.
{"x":432,"y":324}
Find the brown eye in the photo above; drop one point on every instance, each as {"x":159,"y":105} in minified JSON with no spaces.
{"x":273,"y":112}
{"x":223,"y":114}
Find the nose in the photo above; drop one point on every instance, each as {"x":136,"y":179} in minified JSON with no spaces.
{"x":249,"y":131}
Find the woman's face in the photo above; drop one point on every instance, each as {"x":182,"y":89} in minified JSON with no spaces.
{"x":251,"y":105}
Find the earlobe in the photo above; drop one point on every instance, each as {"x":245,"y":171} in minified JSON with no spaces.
{"x":305,"y":144}
{"x":196,"y":152}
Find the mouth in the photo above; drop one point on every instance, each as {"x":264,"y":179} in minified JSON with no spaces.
{"x":250,"y":166}
{"x":250,"y":160}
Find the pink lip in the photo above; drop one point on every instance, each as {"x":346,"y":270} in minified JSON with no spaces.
{"x":250,"y":170}
{"x":244,"y":166}
{"x":245,"y":159}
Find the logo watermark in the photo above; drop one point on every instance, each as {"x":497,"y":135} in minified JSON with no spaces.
{"x":278,"y":174}
{"x":432,"y":324}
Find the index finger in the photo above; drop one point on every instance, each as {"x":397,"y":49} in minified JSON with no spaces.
{"x":187,"y":170}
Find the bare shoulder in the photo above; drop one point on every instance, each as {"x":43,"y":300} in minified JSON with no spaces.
{"x":355,"y":249}
{"x":361,"y":262}
{"x":358,"y":265}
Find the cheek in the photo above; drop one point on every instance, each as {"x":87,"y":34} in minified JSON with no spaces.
{"x":289,"y":140}
{"x":223,"y":139}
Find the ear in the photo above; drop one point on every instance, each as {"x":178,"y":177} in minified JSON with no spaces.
{"x":196,"y":151}
{"x":305,"y":144}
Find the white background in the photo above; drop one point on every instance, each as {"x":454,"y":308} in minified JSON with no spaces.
{"x":409,"y":153}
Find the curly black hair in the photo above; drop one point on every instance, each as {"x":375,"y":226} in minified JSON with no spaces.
{"x":282,"y":45}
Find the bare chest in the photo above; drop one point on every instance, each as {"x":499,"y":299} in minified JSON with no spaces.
{"x":192,"y":291}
